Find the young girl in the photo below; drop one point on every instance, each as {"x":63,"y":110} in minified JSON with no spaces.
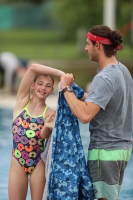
{"x":29,"y":117}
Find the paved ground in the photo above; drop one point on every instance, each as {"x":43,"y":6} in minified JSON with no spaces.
{"x":8,"y":101}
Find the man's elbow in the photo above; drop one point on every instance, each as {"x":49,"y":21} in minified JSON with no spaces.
{"x":84,"y":119}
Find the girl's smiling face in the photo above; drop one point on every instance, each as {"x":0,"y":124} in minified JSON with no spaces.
{"x":42,"y":86}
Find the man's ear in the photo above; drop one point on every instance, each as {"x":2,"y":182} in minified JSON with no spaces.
{"x":97,"y":44}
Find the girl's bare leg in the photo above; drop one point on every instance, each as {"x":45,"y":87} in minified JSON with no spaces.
{"x":18,"y":181}
{"x":37,"y":181}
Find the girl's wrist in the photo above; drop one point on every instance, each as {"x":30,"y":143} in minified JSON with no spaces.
{"x":48,"y":127}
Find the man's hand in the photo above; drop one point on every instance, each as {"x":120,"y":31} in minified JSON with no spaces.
{"x":66,"y":79}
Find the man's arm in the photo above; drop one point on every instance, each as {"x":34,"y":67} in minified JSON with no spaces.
{"x":84,"y":97}
{"x":84,"y":111}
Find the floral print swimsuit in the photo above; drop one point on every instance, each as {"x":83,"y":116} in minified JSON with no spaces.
{"x":27,"y":142}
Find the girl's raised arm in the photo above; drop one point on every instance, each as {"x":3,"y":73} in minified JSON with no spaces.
{"x":32,"y":71}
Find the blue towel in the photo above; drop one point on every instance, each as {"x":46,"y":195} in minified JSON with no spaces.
{"x":69,"y":178}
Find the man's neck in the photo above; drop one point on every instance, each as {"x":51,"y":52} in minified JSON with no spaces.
{"x":107,"y":61}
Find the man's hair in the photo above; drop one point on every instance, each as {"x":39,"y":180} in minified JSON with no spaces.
{"x":113,"y":35}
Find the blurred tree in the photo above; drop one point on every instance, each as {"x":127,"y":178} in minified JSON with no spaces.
{"x":123,"y":19}
{"x":74,"y":18}
{"x":23,"y":1}
{"x":74,"y":15}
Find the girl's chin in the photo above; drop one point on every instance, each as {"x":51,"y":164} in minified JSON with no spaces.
{"x":42,"y":96}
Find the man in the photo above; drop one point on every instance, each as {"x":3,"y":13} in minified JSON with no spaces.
{"x":108,"y":107}
{"x":11,"y":70}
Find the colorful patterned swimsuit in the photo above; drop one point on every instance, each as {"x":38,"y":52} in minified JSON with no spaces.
{"x":27,"y":142}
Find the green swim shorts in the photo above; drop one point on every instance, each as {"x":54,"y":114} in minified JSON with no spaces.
{"x":106,"y":168}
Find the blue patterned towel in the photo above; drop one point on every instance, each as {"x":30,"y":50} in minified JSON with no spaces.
{"x":68,"y":177}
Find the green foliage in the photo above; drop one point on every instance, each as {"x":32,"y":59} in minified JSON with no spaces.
{"x":22,"y":1}
{"x":123,"y":18}
{"x":24,"y":36}
{"x":73,"y":15}
{"x":40,"y":44}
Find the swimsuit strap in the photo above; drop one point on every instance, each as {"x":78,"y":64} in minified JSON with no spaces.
{"x":26,"y":107}
{"x":45,"y":112}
